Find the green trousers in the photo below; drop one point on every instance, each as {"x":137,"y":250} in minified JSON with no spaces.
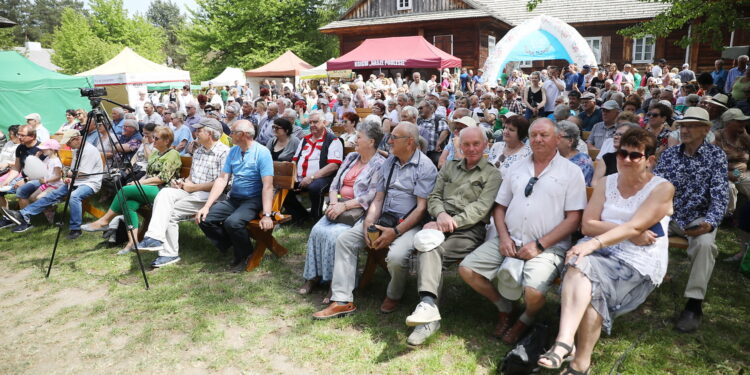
{"x":133,"y":199}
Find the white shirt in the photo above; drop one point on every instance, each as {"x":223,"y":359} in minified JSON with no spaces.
{"x":394,"y":116}
{"x":607,"y":147}
{"x":155,"y":118}
{"x":42,"y":134}
{"x":656,"y":72}
{"x":560,"y":188}
{"x":91,"y":164}
{"x":552,"y":92}
{"x":479,"y":116}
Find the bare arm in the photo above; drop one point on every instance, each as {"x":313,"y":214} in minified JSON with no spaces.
{"x":219,"y":185}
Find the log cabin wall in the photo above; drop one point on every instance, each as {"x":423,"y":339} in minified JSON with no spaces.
{"x":387,"y":8}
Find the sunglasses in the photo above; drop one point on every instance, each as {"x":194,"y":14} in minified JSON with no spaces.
{"x":530,"y":186}
{"x":652,"y":115}
{"x":633,"y":155}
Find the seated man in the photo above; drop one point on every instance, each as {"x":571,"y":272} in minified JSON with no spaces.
{"x":87,"y":182}
{"x":129,"y":140}
{"x":698,"y":171}
{"x":460,"y":207}
{"x":225,"y":223}
{"x":16,"y":183}
{"x":539,"y":206}
{"x":409,"y":177}
{"x":184,"y":198}
{"x":318,"y":157}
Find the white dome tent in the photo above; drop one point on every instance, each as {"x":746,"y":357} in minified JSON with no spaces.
{"x":227,"y":78}
{"x":540,"y":38}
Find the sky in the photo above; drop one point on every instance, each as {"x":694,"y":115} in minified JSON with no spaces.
{"x":141,"y":6}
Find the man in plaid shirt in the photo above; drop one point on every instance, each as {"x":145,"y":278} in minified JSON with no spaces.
{"x":512,"y":101}
{"x":433,"y":128}
{"x":183,"y":199}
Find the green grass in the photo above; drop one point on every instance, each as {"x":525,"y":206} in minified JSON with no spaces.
{"x":93,"y":315}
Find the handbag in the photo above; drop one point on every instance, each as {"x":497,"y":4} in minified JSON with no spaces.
{"x":522,"y":359}
{"x":350,"y":217}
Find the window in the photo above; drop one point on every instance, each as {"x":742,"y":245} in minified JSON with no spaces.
{"x":526,"y":64}
{"x":444,"y":42}
{"x":490,"y":44}
{"x":643,"y":49}
{"x":403,"y":4}
{"x":595,"y":42}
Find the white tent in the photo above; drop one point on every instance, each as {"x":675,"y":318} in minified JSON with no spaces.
{"x":128,"y":72}
{"x":227,"y":78}
{"x":316,"y":72}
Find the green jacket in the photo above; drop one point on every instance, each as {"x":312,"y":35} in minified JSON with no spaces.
{"x":466,"y":195}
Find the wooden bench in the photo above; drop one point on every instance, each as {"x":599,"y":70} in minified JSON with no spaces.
{"x":338,"y":130}
{"x":363,"y":112}
{"x":348,"y":150}
{"x":593,"y":154}
{"x":375,"y":258}
{"x":585,"y":135}
{"x":284,"y":175}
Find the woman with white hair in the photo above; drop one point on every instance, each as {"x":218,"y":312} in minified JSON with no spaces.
{"x":569,"y":138}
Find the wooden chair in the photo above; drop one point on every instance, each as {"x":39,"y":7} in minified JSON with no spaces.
{"x":363,"y":112}
{"x":187,"y":163}
{"x":593,"y":154}
{"x":375,"y":258}
{"x":338,"y":130}
{"x":585,"y":135}
{"x":348,"y":150}
{"x":284,"y":175}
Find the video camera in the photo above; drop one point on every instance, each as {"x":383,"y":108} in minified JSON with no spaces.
{"x":93,"y":91}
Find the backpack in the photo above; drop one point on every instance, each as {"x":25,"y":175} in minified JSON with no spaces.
{"x":522,"y":359}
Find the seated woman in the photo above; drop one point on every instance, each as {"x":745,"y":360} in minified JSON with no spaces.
{"x":163,"y":167}
{"x":622,"y":258}
{"x":512,"y":148}
{"x":282,"y":145}
{"x":569,"y":137}
{"x":351,"y":193}
{"x":606,"y":163}
{"x":349,"y":136}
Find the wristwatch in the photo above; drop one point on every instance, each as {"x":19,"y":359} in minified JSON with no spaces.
{"x":539,"y":246}
{"x":268,"y":214}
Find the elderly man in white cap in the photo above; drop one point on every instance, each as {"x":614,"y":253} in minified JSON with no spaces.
{"x":605,"y":129}
{"x":459,"y":206}
{"x":183,"y":199}
{"x":698,"y":171}
{"x":87,"y":182}
{"x":35,"y":120}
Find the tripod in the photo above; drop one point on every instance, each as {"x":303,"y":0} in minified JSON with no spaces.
{"x":95,"y":117}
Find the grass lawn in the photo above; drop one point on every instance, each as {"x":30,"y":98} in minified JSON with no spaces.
{"x":93,"y":316}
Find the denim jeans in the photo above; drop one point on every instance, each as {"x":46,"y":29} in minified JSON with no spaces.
{"x":76,"y":203}
{"x":24,"y":191}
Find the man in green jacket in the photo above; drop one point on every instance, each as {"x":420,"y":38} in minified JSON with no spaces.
{"x":459,"y":206}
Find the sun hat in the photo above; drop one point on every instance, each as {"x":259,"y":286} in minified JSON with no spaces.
{"x":611,"y":105}
{"x":719,"y":99}
{"x":510,"y":278}
{"x":695,"y":114}
{"x":734,"y":114}
{"x":466,"y":120}
{"x":34,"y":116}
{"x":587,"y":96}
{"x":68,"y":134}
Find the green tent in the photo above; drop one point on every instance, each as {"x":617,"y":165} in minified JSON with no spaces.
{"x":26,"y":87}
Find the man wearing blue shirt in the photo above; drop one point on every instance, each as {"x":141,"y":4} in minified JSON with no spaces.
{"x":225,"y":224}
{"x":118,"y":117}
{"x":719,"y":75}
{"x":734,"y":73}
{"x":698,"y":171}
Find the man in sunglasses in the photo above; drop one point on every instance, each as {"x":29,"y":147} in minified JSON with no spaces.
{"x":698,"y":171}
{"x":539,"y":205}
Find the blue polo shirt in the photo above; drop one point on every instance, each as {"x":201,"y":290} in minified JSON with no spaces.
{"x":248,"y":169}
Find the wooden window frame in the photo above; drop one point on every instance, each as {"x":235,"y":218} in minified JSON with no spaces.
{"x":598,"y":38}
{"x":404,"y":4}
{"x":643,"y":59}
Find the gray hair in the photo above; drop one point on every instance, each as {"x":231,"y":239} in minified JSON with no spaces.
{"x":547,"y":120}
{"x":131,"y":123}
{"x":287,"y":102}
{"x":411,"y":129}
{"x":630,"y":125}
{"x":118,"y":110}
{"x":372,"y":130}
{"x":569,"y":130}
{"x":215,"y":134}
{"x":465,"y":130}
{"x":288,"y":112}
{"x":130,"y":116}
{"x":562,"y":111}
{"x":180,"y":115}
{"x":411,"y":111}
{"x":245,"y":126}
{"x":317,"y":112}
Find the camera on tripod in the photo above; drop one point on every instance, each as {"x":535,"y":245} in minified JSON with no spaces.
{"x":93,"y":91}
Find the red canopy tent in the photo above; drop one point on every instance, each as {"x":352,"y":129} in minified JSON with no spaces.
{"x":396,"y":52}
{"x":286,"y":65}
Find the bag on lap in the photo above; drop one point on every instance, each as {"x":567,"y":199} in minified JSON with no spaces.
{"x":350,"y":217}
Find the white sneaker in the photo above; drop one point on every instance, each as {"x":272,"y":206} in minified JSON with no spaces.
{"x":422,"y":332}
{"x":423,"y":314}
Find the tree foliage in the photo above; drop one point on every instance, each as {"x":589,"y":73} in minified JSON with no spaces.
{"x":250,"y":33}
{"x":709,"y":19}
{"x":82,"y":42}
{"x":36,"y":19}
{"x":166,"y":15}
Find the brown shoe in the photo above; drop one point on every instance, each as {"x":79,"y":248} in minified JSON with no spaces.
{"x":503,"y":323}
{"x":389,"y":305}
{"x":334,"y":310}
{"x":512,"y":335}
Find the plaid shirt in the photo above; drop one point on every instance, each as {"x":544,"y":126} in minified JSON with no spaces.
{"x":515,"y":106}
{"x":430,"y":129}
{"x":207,"y":164}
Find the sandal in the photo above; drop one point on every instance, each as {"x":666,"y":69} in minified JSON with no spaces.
{"x":555,"y":359}
{"x":569,"y":371}
{"x":327,"y":299}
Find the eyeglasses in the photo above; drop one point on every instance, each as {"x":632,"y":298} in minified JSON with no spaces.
{"x":617,"y":134}
{"x":397,"y":137}
{"x":235,"y":132}
{"x":22,"y":135}
{"x":530,"y":186}
{"x":633,"y":155}
{"x":652,"y":114}
{"x":276,"y":127}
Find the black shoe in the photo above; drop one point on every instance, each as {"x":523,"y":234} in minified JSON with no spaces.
{"x":5,"y":223}
{"x":74,"y":234}
{"x":14,"y":216}
{"x":237,"y":266}
{"x":22,"y":228}
{"x":689,"y":321}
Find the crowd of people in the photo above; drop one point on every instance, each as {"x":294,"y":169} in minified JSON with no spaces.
{"x":458,"y":169}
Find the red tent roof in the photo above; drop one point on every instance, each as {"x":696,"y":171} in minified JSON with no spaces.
{"x":286,"y":65}
{"x":396,"y":52}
